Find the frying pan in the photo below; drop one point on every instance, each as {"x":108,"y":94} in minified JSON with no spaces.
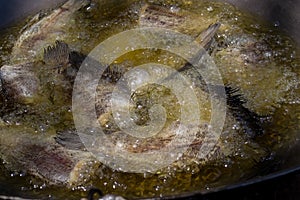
{"x":284,"y":181}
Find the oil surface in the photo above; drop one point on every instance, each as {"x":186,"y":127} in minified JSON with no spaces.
{"x":267,"y":76}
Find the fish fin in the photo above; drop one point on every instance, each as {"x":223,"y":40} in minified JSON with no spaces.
{"x":57,"y":54}
{"x":249,"y":119}
{"x":205,"y":38}
{"x":70,"y":140}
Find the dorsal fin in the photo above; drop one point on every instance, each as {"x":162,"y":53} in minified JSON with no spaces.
{"x":57,"y":54}
{"x":251,"y":121}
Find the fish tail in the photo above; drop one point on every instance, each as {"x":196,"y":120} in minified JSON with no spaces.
{"x":205,"y":38}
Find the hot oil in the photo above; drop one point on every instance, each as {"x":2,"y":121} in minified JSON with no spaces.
{"x":275,"y":75}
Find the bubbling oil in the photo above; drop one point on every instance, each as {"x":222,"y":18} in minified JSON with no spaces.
{"x":252,"y":55}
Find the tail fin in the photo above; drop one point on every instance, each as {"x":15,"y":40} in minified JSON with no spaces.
{"x":205,"y":38}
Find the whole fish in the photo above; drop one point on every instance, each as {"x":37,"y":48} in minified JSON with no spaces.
{"x":142,"y":101}
{"x":243,"y":54}
{"x":44,"y":31}
{"x":38,"y":101}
